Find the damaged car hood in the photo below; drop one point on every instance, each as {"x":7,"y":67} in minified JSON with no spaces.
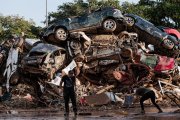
{"x":45,"y":48}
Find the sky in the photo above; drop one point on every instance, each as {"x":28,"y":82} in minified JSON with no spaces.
{"x":34,"y":9}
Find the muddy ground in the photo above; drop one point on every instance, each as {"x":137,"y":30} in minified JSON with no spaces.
{"x":113,"y":111}
{"x":21,"y":107}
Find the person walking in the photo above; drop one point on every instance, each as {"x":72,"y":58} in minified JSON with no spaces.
{"x":69,"y":91}
{"x":145,"y":94}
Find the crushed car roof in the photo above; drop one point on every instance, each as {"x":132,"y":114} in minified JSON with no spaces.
{"x":43,"y":47}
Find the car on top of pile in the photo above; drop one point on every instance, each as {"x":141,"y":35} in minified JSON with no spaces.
{"x":104,"y":18}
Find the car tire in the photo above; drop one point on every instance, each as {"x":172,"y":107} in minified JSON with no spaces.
{"x":61,"y":34}
{"x":51,"y":37}
{"x":129,"y":21}
{"x":168,"y":44}
{"x":109,"y":25}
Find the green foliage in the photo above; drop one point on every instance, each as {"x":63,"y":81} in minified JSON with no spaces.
{"x":80,"y":7}
{"x":167,"y":11}
{"x":162,"y":12}
{"x":15,"y":25}
{"x":68,"y":9}
{"x":134,"y":9}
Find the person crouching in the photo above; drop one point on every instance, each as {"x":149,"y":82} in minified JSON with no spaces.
{"x":145,"y":94}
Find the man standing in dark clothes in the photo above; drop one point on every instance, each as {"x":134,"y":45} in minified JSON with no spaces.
{"x":146,"y":94}
{"x":68,"y":91}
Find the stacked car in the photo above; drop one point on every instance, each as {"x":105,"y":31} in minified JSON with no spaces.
{"x":105,"y":46}
{"x":114,"y":41}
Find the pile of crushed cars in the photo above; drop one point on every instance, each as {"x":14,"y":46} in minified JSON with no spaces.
{"x":111,"y":52}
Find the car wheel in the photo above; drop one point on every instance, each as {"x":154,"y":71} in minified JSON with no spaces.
{"x":130,"y":21}
{"x":61,"y":34}
{"x":109,"y":25}
{"x":75,"y":45}
{"x":168,"y":44}
{"x":50,"y":37}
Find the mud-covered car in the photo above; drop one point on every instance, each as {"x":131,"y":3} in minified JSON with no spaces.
{"x":149,"y":33}
{"x":44,"y":60}
{"x":106,"y":18}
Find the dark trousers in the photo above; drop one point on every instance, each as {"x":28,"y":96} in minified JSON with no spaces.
{"x":69,"y":93}
{"x":146,"y":96}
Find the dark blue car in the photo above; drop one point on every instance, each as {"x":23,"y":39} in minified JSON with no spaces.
{"x":105,"y":18}
{"x":150,"y":34}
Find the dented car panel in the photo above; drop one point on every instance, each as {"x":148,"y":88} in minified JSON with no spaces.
{"x":44,"y":59}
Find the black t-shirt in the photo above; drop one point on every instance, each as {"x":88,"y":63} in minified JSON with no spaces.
{"x":68,"y":81}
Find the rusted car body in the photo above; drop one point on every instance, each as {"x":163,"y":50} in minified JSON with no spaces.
{"x":150,"y":34}
{"x":105,"y":56}
{"x":105,"y":18}
{"x":9,"y":51}
{"x":44,"y":60}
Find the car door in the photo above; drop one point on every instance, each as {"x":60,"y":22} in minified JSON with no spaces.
{"x":94,"y":19}
{"x":73,"y":23}
{"x":83,"y":21}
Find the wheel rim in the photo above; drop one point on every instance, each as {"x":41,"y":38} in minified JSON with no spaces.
{"x":109,"y":24}
{"x":129,"y":21}
{"x":168,"y":44}
{"x":61,"y":34}
{"x":75,"y":45}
